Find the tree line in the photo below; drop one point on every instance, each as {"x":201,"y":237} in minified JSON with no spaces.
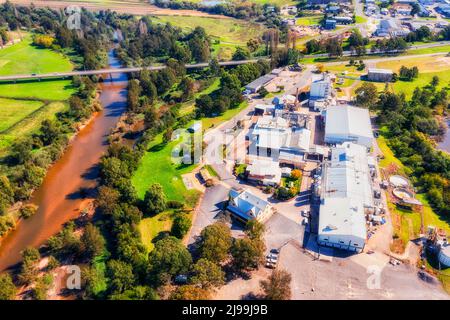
{"x":410,"y":126}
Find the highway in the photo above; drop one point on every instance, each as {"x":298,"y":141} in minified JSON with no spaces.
{"x":59,"y":75}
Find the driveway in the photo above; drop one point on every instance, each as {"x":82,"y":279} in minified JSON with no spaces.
{"x":211,"y":205}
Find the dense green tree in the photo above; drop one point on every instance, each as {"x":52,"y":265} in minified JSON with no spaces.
{"x":50,"y":131}
{"x":313,"y":46}
{"x":165,"y":79}
{"x":214,"y":67}
{"x":207,"y":274}
{"x":366,"y":95}
{"x":7,"y":288}
{"x":187,"y":86}
{"x":333,"y":47}
{"x":65,"y":242}
{"x":6,"y":194}
{"x":137,"y":293}
{"x":134,"y":93}
{"x":169,"y":258}
{"x":241,"y":53}
{"x":254,"y":229}
{"x":155,"y":199}
{"x":113,"y":170}
{"x":247,"y":254}
{"x":22,"y":150}
{"x":92,"y":241}
{"x":120,"y":275}
{"x":107,"y":199}
{"x":29,"y":269}
{"x":181,"y":225}
{"x":40,"y":289}
{"x":215,"y":242}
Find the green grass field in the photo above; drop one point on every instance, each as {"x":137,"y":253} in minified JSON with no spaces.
{"x":152,"y":226}
{"x":359,"y":19}
{"x":157,"y":167}
{"x":13,"y":111}
{"x":46,"y":90}
{"x":29,"y":124}
{"x":230,"y":31}
{"x":24,"y":105}
{"x":424,"y":78}
{"x":227,"y":115}
{"x":23,"y":58}
{"x":309,"y":20}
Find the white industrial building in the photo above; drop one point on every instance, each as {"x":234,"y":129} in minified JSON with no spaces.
{"x":321,"y":88}
{"x":273,"y":137}
{"x":346,"y":197}
{"x":346,"y":123}
{"x":321,"y":93}
{"x":389,"y":27}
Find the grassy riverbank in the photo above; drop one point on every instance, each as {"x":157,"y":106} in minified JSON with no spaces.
{"x":25,"y":104}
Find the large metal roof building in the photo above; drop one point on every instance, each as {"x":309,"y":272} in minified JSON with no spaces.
{"x":346,"y":195}
{"x":346,"y":123}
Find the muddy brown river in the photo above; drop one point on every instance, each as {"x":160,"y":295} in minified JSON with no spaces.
{"x":57,"y":199}
{"x":445,"y":143}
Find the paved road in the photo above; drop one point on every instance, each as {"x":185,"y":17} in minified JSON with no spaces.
{"x":348,"y":53}
{"x":56,"y":75}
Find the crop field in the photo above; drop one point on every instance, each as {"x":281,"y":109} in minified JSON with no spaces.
{"x":25,"y":104}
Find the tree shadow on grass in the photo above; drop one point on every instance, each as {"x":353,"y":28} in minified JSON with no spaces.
{"x":158,"y":147}
{"x":161,"y":235}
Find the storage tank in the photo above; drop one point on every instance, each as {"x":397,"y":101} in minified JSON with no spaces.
{"x":444,"y":255}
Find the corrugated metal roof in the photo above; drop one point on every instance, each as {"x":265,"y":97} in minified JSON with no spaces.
{"x":348,"y":121}
{"x":347,"y":191}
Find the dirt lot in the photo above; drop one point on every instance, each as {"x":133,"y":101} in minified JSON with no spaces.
{"x":120,"y":7}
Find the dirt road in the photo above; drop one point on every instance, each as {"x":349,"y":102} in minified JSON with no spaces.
{"x":134,"y":8}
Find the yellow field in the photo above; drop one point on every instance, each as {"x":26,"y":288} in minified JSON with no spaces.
{"x":425,"y":64}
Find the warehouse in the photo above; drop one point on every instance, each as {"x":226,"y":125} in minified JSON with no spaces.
{"x":257,"y":84}
{"x":346,"y":197}
{"x":380,"y":75}
{"x":346,"y":123}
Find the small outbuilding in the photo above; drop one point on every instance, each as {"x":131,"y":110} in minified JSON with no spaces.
{"x":380,"y":75}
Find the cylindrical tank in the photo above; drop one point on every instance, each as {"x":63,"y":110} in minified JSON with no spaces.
{"x":444,"y":255}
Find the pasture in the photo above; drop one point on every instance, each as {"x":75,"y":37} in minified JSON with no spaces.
{"x":25,"y":104}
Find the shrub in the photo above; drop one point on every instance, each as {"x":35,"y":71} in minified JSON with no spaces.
{"x":27,"y":211}
{"x":181,"y":226}
{"x":174,"y":204}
